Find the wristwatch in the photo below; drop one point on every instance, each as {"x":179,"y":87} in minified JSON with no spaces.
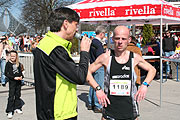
{"x":146,"y":84}
{"x":98,"y":88}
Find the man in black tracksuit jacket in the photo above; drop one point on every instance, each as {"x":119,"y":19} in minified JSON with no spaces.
{"x":169,"y":47}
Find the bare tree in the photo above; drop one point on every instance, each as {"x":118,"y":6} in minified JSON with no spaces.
{"x":5,"y":4}
{"x":35,"y":12}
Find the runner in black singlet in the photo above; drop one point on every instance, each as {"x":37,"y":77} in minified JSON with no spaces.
{"x":121,"y":90}
{"x":120,"y":94}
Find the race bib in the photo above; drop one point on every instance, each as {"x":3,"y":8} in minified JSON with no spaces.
{"x":120,"y":87}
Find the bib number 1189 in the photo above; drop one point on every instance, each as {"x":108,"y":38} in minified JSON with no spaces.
{"x":120,"y":87}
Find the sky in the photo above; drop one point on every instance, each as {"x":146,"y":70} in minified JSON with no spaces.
{"x":16,"y":10}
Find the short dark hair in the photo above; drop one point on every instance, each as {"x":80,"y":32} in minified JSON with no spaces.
{"x":58,"y":16}
{"x":133,"y":40}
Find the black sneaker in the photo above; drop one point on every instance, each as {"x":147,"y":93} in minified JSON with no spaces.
{"x":90,"y":107}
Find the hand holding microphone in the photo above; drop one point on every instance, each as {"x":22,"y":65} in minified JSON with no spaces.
{"x":85,"y":42}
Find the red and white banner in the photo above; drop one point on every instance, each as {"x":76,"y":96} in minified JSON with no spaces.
{"x":92,"y":10}
{"x":125,"y":11}
{"x":171,"y":11}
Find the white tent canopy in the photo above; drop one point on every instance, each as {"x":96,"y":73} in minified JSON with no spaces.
{"x":126,"y":11}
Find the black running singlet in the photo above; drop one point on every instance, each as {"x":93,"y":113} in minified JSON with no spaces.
{"x":120,"y":90}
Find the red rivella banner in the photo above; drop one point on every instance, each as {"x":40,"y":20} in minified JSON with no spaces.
{"x":121,"y":11}
{"x":171,"y":11}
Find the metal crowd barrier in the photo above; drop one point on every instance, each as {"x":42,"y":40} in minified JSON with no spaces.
{"x":27,"y":60}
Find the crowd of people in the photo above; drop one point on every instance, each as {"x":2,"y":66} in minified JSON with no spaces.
{"x":22,"y":43}
{"x":170,"y":49}
{"x":114,"y":76}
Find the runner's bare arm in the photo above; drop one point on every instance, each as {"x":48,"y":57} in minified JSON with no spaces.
{"x":100,"y":61}
{"x":141,"y":93}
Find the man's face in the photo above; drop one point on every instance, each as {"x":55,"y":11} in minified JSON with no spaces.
{"x":168,"y":34}
{"x":102,"y":35}
{"x":71,"y":30}
{"x":178,"y":45}
{"x":121,"y":39}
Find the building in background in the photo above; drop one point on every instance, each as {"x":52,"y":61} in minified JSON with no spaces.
{"x":9,"y":24}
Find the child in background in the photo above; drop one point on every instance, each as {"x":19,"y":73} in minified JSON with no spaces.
{"x":178,"y":48}
{"x":14,"y":73}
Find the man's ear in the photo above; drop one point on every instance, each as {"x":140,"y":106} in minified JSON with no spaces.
{"x":65,"y":24}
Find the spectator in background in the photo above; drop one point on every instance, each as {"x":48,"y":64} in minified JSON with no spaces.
{"x":169,"y":46}
{"x":12,"y":41}
{"x":21,"y":43}
{"x":156,"y":49}
{"x":4,"y":51}
{"x":178,"y":47}
{"x":96,"y":50}
{"x":33,"y":45}
{"x":14,"y":74}
{"x":155,"y":46}
{"x":138,"y":45}
{"x":175,"y":38}
{"x":140,"y":38}
{"x":37,"y":39}
{"x":26,"y":43}
{"x":132,"y":47}
{"x":16,"y":45}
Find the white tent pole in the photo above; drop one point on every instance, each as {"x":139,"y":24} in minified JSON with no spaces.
{"x":166,"y":26}
{"x":161,"y":65}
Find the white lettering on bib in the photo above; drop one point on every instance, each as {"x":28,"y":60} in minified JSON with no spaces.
{"x":120,"y":87}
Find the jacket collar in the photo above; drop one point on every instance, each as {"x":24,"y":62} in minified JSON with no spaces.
{"x":59,"y":40}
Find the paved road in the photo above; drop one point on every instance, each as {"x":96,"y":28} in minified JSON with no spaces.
{"x":149,"y":108}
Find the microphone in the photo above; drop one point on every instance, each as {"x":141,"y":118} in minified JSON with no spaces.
{"x":78,"y":36}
